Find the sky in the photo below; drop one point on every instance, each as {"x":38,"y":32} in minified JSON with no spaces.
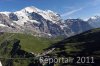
{"x":66,"y":8}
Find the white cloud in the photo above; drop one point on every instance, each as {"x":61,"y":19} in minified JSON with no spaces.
{"x":71,"y":12}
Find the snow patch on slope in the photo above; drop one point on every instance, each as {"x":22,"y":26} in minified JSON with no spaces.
{"x":0,"y":63}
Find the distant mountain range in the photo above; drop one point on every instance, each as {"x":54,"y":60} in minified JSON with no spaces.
{"x":32,"y":20}
{"x":94,"y":21}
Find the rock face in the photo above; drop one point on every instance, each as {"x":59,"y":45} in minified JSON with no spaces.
{"x":78,"y":25}
{"x":94,"y":21}
{"x":38,"y":22}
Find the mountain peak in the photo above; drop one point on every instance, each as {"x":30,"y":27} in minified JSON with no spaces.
{"x":95,"y":17}
{"x":31,"y":9}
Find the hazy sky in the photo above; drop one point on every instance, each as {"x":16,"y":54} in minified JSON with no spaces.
{"x":66,"y":8}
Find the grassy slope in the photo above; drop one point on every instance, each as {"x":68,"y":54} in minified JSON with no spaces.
{"x":84,"y":44}
{"x":29,"y":43}
{"x":78,"y":40}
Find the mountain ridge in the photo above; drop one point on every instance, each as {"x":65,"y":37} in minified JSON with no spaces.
{"x":42,"y":23}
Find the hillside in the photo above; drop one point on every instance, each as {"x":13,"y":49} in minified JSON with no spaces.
{"x":19,"y":49}
{"x":86,"y":44}
{"x":28,"y":42}
{"x":20,"y":46}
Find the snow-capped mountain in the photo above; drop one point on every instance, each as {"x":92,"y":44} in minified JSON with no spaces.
{"x":32,"y":20}
{"x":27,"y":13}
{"x":94,"y":21}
